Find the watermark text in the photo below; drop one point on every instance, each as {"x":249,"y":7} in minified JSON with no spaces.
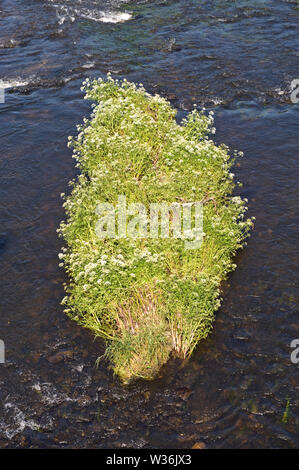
{"x":2,"y":351}
{"x":295,"y":353}
{"x":295,"y":91}
{"x":2,"y":95}
{"x":162,"y":220}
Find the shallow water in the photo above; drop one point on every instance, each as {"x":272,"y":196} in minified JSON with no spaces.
{"x":237,"y":58}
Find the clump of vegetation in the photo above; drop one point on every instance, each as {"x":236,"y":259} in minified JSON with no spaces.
{"x":148,"y":297}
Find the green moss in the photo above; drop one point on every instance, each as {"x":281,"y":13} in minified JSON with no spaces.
{"x":148,"y":297}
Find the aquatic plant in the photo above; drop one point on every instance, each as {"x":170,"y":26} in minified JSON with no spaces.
{"x":149,"y":297}
{"x":287,"y":412}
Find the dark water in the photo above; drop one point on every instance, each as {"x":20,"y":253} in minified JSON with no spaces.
{"x":235,"y":57}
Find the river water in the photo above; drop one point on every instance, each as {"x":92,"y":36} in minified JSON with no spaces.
{"x":237,"y":58}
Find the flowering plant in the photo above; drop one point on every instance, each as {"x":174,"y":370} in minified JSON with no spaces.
{"x":148,"y":297}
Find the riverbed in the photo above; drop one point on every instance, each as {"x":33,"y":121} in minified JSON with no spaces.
{"x":240,"y":388}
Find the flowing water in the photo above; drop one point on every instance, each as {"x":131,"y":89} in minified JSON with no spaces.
{"x":237,"y":58}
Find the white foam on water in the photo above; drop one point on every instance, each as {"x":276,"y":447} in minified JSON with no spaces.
{"x":49,"y":395}
{"x":71,"y":10}
{"x":64,"y":15}
{"x":216,"y":100}
{"x":279,"y":91}
{"x":115,"y":17}
{"x":89,"y":65}
{"x":105,"y":17}
{"x":18,"y":421}
{"x":12,"y":83}
{"x":61,"y":19}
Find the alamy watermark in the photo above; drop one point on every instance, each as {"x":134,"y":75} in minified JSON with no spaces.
{"x":2,"y":351}
{"x":295,"y":353}
{"x":295,"y":91}
{"x":2,"y":95}
{"x":162,"y":220}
